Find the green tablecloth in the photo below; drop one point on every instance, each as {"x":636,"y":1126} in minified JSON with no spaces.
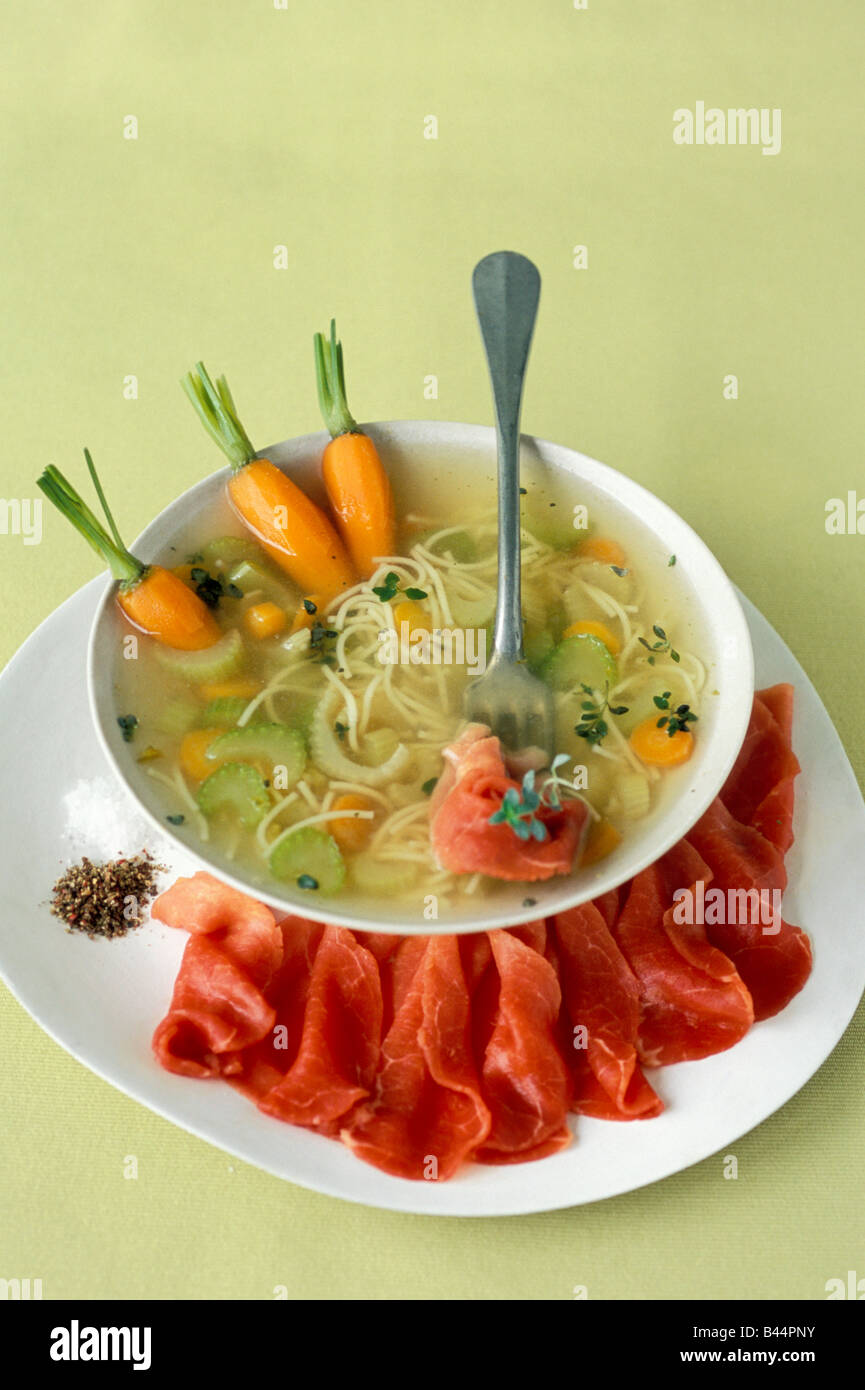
{"x":302,"y":126}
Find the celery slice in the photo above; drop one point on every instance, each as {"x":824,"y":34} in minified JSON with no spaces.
{"x":251,"y":577}
{"x":211,"y":663}
{"x":382,"y":878}
{"x":224,"y":712}
{"x":238,"y":788}
{"x":277,"y":745}
{"x":580,"y":660}
{"x":230,"y":550}
{"x":310,"y":859}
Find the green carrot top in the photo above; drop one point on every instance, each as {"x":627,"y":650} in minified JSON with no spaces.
{"x":218,"y":414}
{"x":330,"y":379}
{"x":110,"y":548}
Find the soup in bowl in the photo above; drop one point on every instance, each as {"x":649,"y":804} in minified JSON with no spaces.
{"x":317,"y":754}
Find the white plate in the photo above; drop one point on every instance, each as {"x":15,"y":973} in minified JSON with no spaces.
{"x":102,"y":999}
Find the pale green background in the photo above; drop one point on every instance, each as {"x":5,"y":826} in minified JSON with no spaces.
{"x":304,"y":126}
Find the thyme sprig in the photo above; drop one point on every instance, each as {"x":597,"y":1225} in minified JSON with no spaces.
{"x":593,"y":727}
{"x":211,"y":587}
{"x":663,"y":644}
{"x":679,"y":720}
{"x":390,"y":588}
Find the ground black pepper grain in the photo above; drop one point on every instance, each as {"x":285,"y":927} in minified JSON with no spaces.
{"x":106,"y":899}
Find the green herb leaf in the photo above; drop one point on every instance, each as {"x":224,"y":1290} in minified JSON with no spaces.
{"x":662,"y":645}
{"x":128,"y":724}
{"x":592,"y":726}
{"x":318,"y":633}
{"x":682,"y":717}
{"x":517,"y":811}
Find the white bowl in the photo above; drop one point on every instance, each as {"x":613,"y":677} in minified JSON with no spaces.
{"x":412,"y":450}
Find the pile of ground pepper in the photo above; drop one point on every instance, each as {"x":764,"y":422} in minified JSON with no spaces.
{"x":106,"y":899}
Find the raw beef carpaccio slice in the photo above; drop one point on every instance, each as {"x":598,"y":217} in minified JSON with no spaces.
{"x":426,"y":1114}
{"x":218,"y":1007}
{"x":469,"y":791}
{"x":524,"y":1080}
{"x":759,"y":789}
{"x":692,"y":1000}
{"x":772,"y":957}
{"x":265,"y":1063}
{"x":602,"y":997}
{"x":339,"y":1047}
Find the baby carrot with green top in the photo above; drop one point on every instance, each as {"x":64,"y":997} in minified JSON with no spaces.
{"x":153,"y":598}
{"x":293,"y":530}
{"x":358,"y":487}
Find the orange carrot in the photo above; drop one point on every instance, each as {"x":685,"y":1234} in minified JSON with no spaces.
{"x":357,"y":485}
{"x":155,"y":599}
{"x":264,"y":620}
{"x":410,"y":612}
{"x":351,"y":832}
{"x":296,"y":533}
{"x":603,"y":549}
{"x":601,"y":840}
{"x":654,"y":745}
{"x":193,"y":751}
{"x":163,"y":606}
{"x":305,"y":615}
{"x":236,"y":688}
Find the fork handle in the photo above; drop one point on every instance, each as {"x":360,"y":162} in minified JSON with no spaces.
{"x":506,"y":289}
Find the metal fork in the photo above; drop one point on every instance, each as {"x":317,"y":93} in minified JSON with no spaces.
{"x":515,"y":704}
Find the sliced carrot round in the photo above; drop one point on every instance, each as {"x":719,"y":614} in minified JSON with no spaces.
{"x":604,"y":549}
{"x":601,"y":839}
{"x":193,"y":752}
{"x":410,"y":612}
{"x":351,"y":832}
{"x":661,"y":749}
